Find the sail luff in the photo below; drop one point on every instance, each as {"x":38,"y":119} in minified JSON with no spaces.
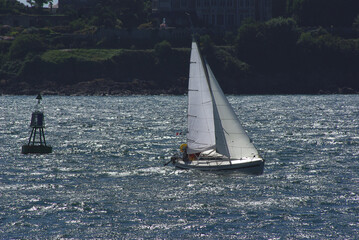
{"x":201,"y":136}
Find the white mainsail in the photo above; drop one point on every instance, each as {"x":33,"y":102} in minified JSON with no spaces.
{"x":200,"y":136}
{"x":231,"y":139}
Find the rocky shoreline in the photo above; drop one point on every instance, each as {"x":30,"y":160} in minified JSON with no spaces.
{"x":93,"y":88}
{"x":108,"y":87}
{"x":97,"y":87}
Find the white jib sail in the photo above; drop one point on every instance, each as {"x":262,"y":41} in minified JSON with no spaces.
{"x":231,"y":138}
{"x":200,"y":135}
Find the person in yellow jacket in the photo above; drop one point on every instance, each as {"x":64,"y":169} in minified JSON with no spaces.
{"x":188,"y":157}
{"x":183,"y":149}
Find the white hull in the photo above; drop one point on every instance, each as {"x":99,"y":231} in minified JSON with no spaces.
{"x":247,"y":165}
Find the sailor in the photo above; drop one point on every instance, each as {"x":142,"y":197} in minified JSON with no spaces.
{"x":185,"y":155}
{"x":183,"y":149}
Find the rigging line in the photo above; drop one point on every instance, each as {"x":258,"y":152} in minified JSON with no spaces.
{"x":225,"y":130}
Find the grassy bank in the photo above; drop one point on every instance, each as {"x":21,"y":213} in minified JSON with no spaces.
{"x":88,"y":70}
{"x":87,"y":55}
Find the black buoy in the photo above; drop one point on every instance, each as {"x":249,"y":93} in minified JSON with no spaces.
{"x":37,"y":142}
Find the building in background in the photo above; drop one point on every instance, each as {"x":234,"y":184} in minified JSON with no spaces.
{"x":263,"y":10}
{"x":217,"y":13}
{"x":174,"y":11}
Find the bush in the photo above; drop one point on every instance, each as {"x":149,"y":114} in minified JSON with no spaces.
{"x":356,"y":24}
{"x":25,"y":44}
{"x":269,"y":45}
{"x":206,"y":44}
{"x":324,"y":13}
{"x":147,"y":25}
{"x":4,"y":47}
{"x":250,"y":42}
{"x":163,"y":50}
{"x":77,"y":24}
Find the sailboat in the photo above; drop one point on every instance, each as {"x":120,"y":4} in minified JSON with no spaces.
{"x":215,"y":139}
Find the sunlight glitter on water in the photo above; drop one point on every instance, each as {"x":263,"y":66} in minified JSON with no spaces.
{"x":106,"y":179}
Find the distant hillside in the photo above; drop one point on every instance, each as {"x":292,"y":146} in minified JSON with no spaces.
{"x":311,"y":47}
{"x":164,"y":70}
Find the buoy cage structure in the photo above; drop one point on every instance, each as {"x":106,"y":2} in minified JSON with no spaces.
{"x":37,"y":141}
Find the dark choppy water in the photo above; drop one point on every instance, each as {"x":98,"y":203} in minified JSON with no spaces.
{"x":106,"y":178}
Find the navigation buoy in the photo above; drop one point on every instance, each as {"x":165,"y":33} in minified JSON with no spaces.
{"x":37,"y":142}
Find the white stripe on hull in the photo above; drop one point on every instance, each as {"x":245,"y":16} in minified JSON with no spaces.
{"x":254,"y":165}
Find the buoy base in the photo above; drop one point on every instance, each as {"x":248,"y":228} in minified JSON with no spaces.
{"x":41,"y":149}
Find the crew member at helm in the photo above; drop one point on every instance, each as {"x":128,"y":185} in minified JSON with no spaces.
{"x":183,"y":149}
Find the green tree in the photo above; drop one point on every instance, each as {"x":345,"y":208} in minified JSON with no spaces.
{"x":206,"y":44}
{"x":356,"y":23}
{"x":250,"y":42}
{"x":124,"y":13}
{"x":323,"y":12}
{"x":105,"y":17}
{"x":280,"y":36}
{"x":163,"y":50}
{"x":11,"y":7}
{"x":40,"y":3}
{"x":77,"y":24}
{"x":269,"y":46}
{"x":31,"y":2}
{"x":25,"y":44}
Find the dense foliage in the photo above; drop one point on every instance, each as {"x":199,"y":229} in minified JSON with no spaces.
{"x":25,"y":44}
{"x":295,"y":60}
{"x":114,"y":14}
{"x":38,"y":3}
{"x":356,"y":24}
{"x":269,"y":45}
{"x":325,"y":13}
{"x":309,"y":47}
{"x":11,"y":7}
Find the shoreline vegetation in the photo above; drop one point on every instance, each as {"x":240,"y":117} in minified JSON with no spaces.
{"x":87,"y":56}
